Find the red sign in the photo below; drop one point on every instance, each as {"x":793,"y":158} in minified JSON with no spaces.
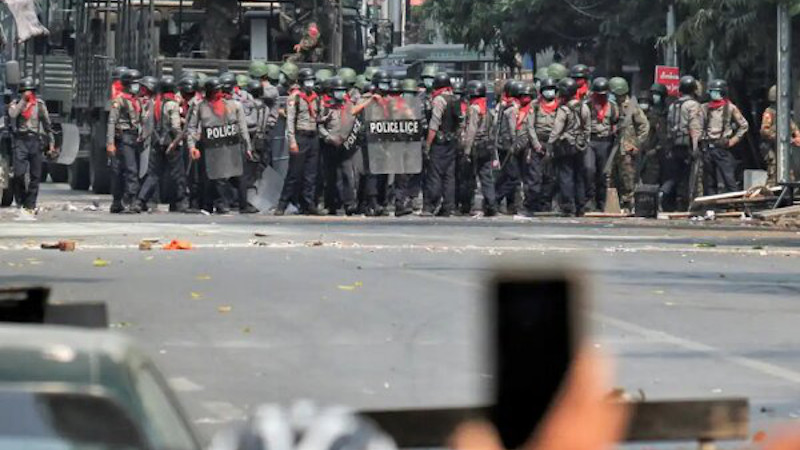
{"x":669,"y":77}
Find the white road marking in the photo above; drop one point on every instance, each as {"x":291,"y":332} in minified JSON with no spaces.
{"x":223,"y":412}
{"x":182,"y":384}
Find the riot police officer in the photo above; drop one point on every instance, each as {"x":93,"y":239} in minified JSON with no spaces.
{"x":724,"y":127}
{"x":604,"y":117}
{"x":302,"y":108}
{"x":478,"y":147}
{"x":580,"y":73}
{"x":508,"y":181}
{"x":570,"y":138}
{"x":31,"y":126}
{"x":340,"y":172}
{"x":122,"y":140}
{"x":680,"y":164}
{"x":440,"y":149}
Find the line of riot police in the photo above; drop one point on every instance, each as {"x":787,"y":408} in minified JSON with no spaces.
{"x":554,"y":144}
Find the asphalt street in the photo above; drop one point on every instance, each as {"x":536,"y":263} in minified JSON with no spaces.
{"x":390,"y":313}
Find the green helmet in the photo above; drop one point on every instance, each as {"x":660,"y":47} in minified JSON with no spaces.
{"x":429,"y":71}
{"x":772,"y":95}
{"x":201,"y":78}
{"x":557,"y":71}
{"x":242,"y":80}
{"x":258,"y":70}
{"x":369,"y":72}
{"x":273,"y":72}
{"x":323,"y":75}
{"x":361,"y":82}
{"x":410,"y":85}
{"x":619,"y":86}
{"x":542,"y":74}
{"x":290,"y":71}
{"x":348,"y":75}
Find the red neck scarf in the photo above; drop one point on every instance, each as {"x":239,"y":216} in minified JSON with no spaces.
{"x":601,"y":106}
{"x":30,"y":106}
{"x":717,"y":104}
{"x":522,"y":114}
{"x":129,"y":97}
{"x":464,"y":108}
{"x":481,"y":102}
{"x":217,"y":102}
{"x":309,"y":99}
{"x":160,"y":100}
{"x":116,"y":89}
{"x":327,"y":101}
{"x":440,"y":91}
{"x":548,"y":107}
{"x":582,"y":91}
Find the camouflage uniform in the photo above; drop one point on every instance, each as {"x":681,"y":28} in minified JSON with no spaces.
{"x":657,"y":143}
{"x":769,"y":140}
{"x":569,"y":138}
{"x":124,"y":131}
{"x":633,"y":132}
{"x":28,"y":151}
{"x":720,"y":126}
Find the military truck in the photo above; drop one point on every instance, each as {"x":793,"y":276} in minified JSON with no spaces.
{"x":158,"y":37}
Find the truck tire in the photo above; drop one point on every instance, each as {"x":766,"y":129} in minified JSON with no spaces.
{"x":59,"y":173}
{"x":8,"y":198}
{"x":79,"y":175}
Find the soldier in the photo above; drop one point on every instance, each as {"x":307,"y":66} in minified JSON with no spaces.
{"x":165,"y":157}
{"x":724,"y":127}
{"x":658,"y":141}
{"x":478,"y":147}
{"x":31,"y":126}
{"x":428,"y":74}
{"x":682,"y":158}
{"x":604,"y":117}
{"x":570,"y":138}
{"x":340,"y":170}
{"x":301,"y":131}
{"x":220,"y":125}
{"x":543,"y":183}
{"x":310,"y":48}
{"x":122,"y":140}
{"x":508,"y":181}
{"x":580,"y":73}
{"x":288,"y":78}
{"x":769,"y":136}
{"x":631,"y":135}
{"x":440,"y":151}
{"x":349,"y":76}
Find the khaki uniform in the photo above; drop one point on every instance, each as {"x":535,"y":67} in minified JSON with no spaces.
{"x":28,"y":151}
{"x":440,"y":183}
{"x":124,"y":131}
{"x":681,"y":157}
{"x":477,"y":146}
{"x":570,"y":138}
{"x":633,"y":133}
{"x":166,"y":128}
{"x":301,"y":131}
{"x":720,"y":126}
{"x":604,"y":130}
{"x":769,"y":139}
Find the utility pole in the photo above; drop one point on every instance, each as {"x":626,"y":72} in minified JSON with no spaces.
{"x":672,"y":48}
{"x":784,"y":92}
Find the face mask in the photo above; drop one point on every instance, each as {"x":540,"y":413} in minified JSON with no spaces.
{"x":308,"y":84}
{"x":715,"y":95}
{"x":549,"y":94}
{"x":338,"y":95}
{"x":538,"y":85}
{"x":135,"y":88}
{"x":383,"y":86}
{"x":656,"y":99}
{"x":409,"y":95}
{"x":644,"y":106}
{"x":428,"y":82}
{"x":612,"y":98}
{"x":282,"y":79}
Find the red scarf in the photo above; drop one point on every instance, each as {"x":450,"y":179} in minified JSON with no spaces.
{"x":441,"y":91}
{"x":481,"y":102}
{"x":310,"y":99}
{"x":522,"y":114}
{"x":116,"y":89}
{"x":159,"y":101}
{"x":326,"y":101}
{"x":582,"y":90}
{"x":464,"y":108}
{"x":217,"y":102}
{"x":30,"y":106}
{"x":601,"y":107}
{"x":129,"y":97}
{"x":548,"y":107}
{"x":717,"y":104}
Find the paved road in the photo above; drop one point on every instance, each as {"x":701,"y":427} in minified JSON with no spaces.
{"x":387,"y":313}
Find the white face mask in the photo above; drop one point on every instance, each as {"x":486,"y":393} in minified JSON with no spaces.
{"x":715,"y":95}
{"x":383,"y":86}
{"x":549,"y":94}
{"x":428,"y":82}
{"x":656,"y":99}
{"x":612,"y":98}
{"x":282,"y":79}
{"x":308,"y":84}
{"x":135,"y":88}
{"x":338,"y":95}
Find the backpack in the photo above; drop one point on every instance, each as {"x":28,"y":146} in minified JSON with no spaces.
{"x":677,"y":124}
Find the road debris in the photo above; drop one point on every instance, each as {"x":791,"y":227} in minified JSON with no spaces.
{"x":98,"y":262}
{"x":178,"y":245}
{"x":224,"y":309}
{"x":64,"y":246}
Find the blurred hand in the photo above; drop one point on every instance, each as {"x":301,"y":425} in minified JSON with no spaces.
{"x":732,"y":143}
{"x":111,"y":149}
{"x":194,"y":154}
{"x":294,"y":148}
{"x":581,"y":418}
{"x":250,"y":156}
{"x":495,"y":164}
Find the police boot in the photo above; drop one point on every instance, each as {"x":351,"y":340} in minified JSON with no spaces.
{"x":138,"y":206}
{"x":403,"y":210}
{"x":280,"y":209}
{"x":351,"y":210}
{"x":490,"y":211}
{"x":249,"y":209}
{"x":116,"y":208}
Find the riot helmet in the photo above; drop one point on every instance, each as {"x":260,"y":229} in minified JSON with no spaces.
{"x":187,"y":85}
{"x":288,"y":74}
{"x":718,"y":89}
{"x":688,"y":85}
{"x":166,"y":84}
{"x":549,"y":89}
{"x":619,"y":86}
{"x":228,"y":81}
{"x":476,"y":89}
{"x":149,"y":83}
{"x":348,"y":75}
{"x":600,"y":86}
{"x":441,"y":80}
{"x":307,"y":79}
{"x":567,"y":88}
{"x":772,"y":95}
{"x":27,"y":84}
{"x":658,"y":94}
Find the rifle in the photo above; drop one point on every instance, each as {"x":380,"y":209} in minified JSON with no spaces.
{"x":694,"y":174}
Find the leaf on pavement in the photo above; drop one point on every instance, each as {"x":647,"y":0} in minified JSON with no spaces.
{"x":659,"y":292}
{"x":225,"y":309}
{"x":246,"y":330}
{"x":346,"y":287}
{"x":358,"y":284}
{"x":196,"y":295}
{"x":98,"y":262}
{"x":203,"y":277}
{"x":705,"y":245}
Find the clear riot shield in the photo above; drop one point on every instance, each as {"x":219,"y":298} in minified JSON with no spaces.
{"x":393,"y":135}
{"x":268,"y":186}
